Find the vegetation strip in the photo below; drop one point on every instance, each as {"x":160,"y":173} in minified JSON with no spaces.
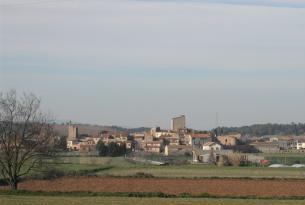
{"x":139,"y":195}
{"x":144,"y":175}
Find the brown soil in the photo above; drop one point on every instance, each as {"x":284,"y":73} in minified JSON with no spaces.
{"x":219,"y":187}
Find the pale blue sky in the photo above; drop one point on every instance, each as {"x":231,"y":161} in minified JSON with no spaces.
{"x":140,"y":62}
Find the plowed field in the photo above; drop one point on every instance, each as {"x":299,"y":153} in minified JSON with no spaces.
{"x":219,"y":187}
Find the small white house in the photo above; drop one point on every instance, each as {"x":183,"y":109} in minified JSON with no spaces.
{"x":211,"y":146}
{"x":300,"y":145}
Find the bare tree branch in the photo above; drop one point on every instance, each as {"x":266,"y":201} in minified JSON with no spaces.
{"x":25,"y":136}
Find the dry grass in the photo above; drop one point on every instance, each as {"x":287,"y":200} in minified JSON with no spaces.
{"x":46,"y":200}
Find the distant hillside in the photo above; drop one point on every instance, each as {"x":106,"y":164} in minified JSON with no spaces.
{"x":62,"y":129}
{"x":253,"y":130}
{"x":266,"y":129}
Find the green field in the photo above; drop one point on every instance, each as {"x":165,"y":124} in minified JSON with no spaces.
{"x":63,"y":200}
{"x":285,"y":158}
{"x":118,"y":166}
{"x":193,"y":171}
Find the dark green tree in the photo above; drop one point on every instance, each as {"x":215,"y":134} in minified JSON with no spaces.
{"x":102,"y":148}
{"x":112,"y":149}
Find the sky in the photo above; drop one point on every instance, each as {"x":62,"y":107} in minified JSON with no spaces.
{"x":139,"y":63}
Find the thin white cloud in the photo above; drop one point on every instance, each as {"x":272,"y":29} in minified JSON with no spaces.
{"x":150,"y":34}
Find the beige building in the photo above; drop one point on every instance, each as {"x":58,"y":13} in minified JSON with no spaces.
{"x":153,"y":146}
{"x":128,"y":144}
{"x":138,"y":136}
{"x":168,"y":134}
{"x":229,"y":140}
{"x":173,"y":140}
{"x":72,"y":141}
{"x":266,"y":147}
{"x":178,"y":123}
{"x":73,"y":145}
{"x":72,"y":132}
{"x":186,"y":139}
{"x":154,"y":130}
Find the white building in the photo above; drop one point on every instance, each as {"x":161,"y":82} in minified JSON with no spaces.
{"x":161,"y":133}
{"x":73,"y":145}
{"x":211,"y":146}
{"x":300,"y":145}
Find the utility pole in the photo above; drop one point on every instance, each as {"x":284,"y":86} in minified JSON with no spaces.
{"x":217,"y":124}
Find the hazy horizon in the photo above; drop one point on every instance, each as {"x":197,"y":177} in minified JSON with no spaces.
{"x":162,"y":128}
{"x":138,"y":63}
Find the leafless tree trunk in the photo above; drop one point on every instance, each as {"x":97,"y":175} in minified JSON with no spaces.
{"x":212,"y":157}
{"x":25,"y":136}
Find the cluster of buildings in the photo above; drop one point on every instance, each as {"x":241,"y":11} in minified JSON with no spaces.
{"x":158,"y":141}
{"x":277,"y":143}
{"x":181,"y":140}
{"x":87,"y":143}
{"x":76,"y":143}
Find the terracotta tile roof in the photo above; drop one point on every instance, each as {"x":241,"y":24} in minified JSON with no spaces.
{"x":201,"y":135}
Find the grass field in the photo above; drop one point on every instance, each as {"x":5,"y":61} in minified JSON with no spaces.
{"x":118,"y":166}
{"x":50,"y":200}
{"x":191,"y":171}
{"x":285,"y":158}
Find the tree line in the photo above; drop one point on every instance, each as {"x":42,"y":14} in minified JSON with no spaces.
{"x":264,"y":129}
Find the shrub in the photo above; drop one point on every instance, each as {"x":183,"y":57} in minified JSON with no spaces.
{"x":234,"y":159}
{"x":204,"y":195}
{"x":188,"y":154}
{"x":143,"y":175}
{"x":3,"y":182}
{"x":185,"y":195}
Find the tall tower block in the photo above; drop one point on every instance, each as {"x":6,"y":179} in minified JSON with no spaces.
{"x":178,"y":123}
{"x":72,"y":132}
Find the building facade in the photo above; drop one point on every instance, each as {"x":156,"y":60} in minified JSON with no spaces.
{"x":178,"y":123}
{"x":211,"y":146}
{"x":72,"y":132}
{"x":200,"y":139}
{"x":229,"y":140}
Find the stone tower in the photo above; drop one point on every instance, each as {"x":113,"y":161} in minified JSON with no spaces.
{"x":72,"y":132}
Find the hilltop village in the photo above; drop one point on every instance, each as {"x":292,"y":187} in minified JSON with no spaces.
{"x":202,"y":146}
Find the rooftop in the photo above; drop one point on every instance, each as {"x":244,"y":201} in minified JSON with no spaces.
{"x":201,"y":135}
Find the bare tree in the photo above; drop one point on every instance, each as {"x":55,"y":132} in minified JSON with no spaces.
{"x":25,"y":136}
{"x":234,"y":159}
{"x":212,"y":157}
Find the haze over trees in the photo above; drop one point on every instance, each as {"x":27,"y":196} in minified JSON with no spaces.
{"x":265,"y":129}
{"x":26,"y":136}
